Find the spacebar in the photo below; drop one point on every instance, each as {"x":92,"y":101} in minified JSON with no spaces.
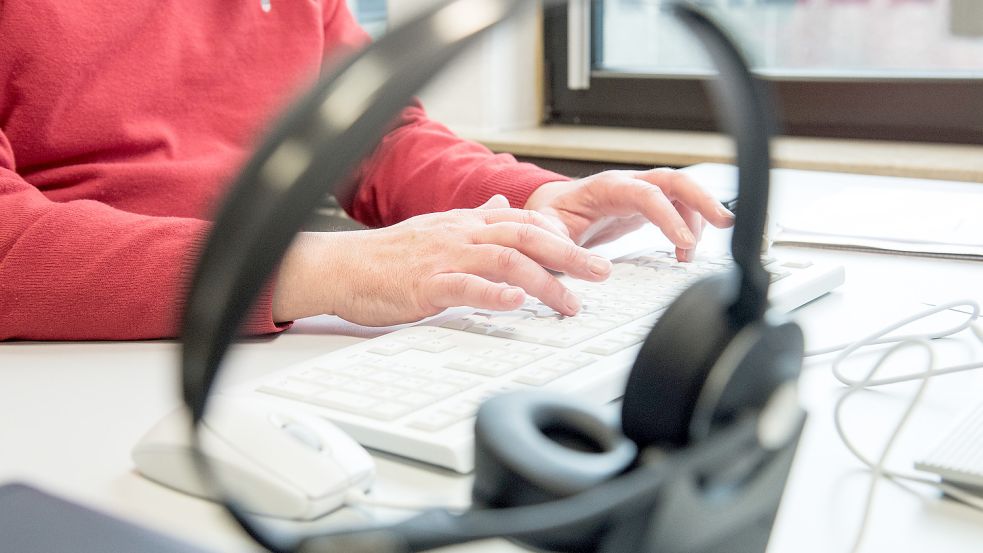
{"x":546,"y":336}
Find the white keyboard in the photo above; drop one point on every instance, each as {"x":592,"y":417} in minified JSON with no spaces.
{"x":414,"y":392}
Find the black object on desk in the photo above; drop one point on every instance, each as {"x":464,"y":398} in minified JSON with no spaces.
{"x":709,"y":477}
{"x":32,"y":521}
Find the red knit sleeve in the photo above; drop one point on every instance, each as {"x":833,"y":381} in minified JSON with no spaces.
{"x":421,"y":166}
{"x":82,"y":270}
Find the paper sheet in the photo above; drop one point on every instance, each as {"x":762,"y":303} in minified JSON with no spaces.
{"x":909,"y":221}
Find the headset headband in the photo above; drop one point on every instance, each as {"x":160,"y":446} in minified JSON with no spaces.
{"x":317,"y":145}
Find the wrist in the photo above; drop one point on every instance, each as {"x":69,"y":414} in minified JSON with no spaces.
{"x":299,"y":288}
{"x":544,"y":194}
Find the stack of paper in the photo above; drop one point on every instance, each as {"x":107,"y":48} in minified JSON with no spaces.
{"x":925,"y":222}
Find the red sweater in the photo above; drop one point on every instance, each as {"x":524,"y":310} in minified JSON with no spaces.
{"x":121,"y":123}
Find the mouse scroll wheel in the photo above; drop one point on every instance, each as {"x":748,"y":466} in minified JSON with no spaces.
{"x":302,"y":434}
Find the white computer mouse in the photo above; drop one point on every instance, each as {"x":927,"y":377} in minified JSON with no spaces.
{"x":275,"y":461}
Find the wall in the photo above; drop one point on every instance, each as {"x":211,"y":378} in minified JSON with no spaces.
{"x":496,"y":85}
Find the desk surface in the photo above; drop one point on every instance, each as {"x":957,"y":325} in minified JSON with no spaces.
{"x":70,"y":412}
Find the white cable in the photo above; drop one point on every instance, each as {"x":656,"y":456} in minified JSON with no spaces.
{"x":877,"y":338}
{"x":929,"y":371}
{"x":355,"y":497}
{"x":880,"y":338}
{"x":877,"y":467}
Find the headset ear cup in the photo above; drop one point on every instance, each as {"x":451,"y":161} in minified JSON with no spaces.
{"x":762,"y":358}
{"x":698,"y":369}
{"x":672,"y":366}
{"x":534,"y":447}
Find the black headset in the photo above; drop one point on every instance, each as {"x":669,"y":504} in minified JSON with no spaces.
{"x":710,"y":418}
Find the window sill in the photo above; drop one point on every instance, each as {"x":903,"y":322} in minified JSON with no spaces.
{"x":682,"y":148}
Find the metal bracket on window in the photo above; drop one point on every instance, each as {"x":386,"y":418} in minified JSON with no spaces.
{"x":578,"y":44}
{"x":966,"y":18}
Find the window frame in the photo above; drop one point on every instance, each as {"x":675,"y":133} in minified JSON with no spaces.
{"x":949,"y":110}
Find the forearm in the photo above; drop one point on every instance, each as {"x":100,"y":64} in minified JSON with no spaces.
{"x":82,"y":270}
{"x":422,"y":167}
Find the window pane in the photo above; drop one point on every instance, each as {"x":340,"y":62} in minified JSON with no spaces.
{"x":371,"y":15}
{"x":863,"y":38}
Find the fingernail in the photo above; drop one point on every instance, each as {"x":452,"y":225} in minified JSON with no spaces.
{"x":599,"y":265}
{"x":687,"y":238}
{"x":724,"y":212}
{"x":572,"y":302}
{"x":512,"y":295}
{"x":685,"y":255}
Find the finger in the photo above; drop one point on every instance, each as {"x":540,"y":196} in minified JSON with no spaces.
{"x":497,"y":201}
{"x":680,"y":187}
{"x":641,"y":196}
{"x":456,"y":289}
{"x":695,"y":222}
{"x":525,"y":217}
{"x":546,"y":249}
{"x":505,"y":264}
{"x":553,"y":218}
{"x":615,"y":231}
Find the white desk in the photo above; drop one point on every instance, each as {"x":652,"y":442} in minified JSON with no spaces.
{"x":70,"y":412}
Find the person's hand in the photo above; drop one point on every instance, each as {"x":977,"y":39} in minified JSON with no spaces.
{"x":602,"y":207}
{"x":487,"y":258}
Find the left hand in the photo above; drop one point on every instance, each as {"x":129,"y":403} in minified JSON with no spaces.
{"x":602,"y":207}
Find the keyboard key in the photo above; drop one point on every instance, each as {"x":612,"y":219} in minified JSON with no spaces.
{"x":390,"y":348}
{"x":344,"y":401}
{"x":419,"y":334}
{"x":359,"y":386}
{"x":388,"y":410}
{"x":418,"y":399}
{"x":412,"y":383}
{"x":329,"y":380}
{"x":537,"y":376}
{"x":481,"y":365}
{"x":461,"y":381}
{"x":385,"y":392}
{"x":578,"y":358}
{"x":775,"y":276}
{"x":288,"y":387}
{"x":442,"y":389}
{"x":511,"y":358}
{"x":383,"y":377}
{"x":435,"y":345}
{"x":463,"y":409}
{"x":458,"y":324}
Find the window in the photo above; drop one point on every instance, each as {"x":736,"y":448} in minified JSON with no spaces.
{"x":371,"y":15}
{"x":889,"y":69}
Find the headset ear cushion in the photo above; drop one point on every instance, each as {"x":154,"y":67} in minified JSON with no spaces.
{"x":673,"y":364}
{"x":532,"y":447}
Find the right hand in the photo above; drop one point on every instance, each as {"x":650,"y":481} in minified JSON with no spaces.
{"x":488,"y":258}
